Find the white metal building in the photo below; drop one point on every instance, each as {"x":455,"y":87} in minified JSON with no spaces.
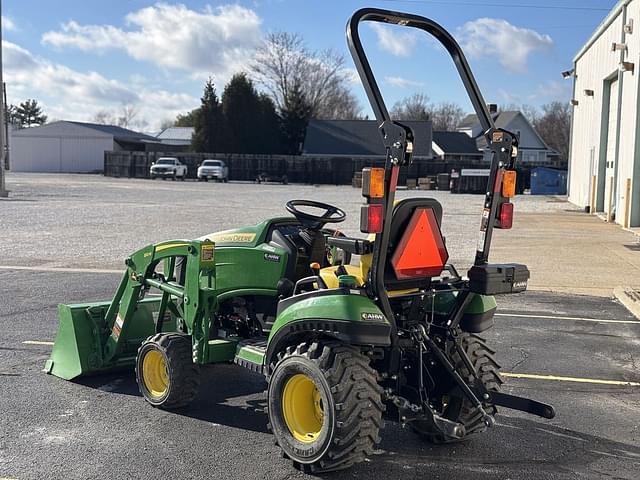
{"x":604,"y":159}
{"x":66,"y":146}
{"x":176,"y":136}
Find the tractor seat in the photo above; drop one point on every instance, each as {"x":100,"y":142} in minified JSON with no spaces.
{"x":403,"y":213}
{"x":360,"y":272}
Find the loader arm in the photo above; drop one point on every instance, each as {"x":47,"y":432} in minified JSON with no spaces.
{"x":98,"y":337}
{"x":197,"y":293}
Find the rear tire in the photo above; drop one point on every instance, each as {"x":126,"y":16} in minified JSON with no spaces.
{"x":459,"y":408}
{"x":325,"y":406}
{"x":165,"y":372}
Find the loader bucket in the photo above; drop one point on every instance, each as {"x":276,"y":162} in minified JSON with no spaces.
{"x":82,"y":334}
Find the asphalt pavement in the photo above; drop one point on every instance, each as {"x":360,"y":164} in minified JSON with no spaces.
{"x":100,"y":427}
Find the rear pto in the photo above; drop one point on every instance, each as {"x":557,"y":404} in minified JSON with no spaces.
{"x":339,"y":344}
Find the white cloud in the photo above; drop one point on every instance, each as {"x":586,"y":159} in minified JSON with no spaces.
{"x":553,"y":90}
{"x":546,"y":91}
{"x":400,"y":44}
{"x":212,"y":41}
{"x":498,"y":39}
{"x":352,"y":76}
{"x":72,"y":95}
{"x":402,"y":82}
{"x":8,"y":24}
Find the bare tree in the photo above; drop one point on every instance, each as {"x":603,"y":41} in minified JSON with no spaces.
{"x":415,"y":107}
{"x":554,"y":125}
{"x":286,"y":68}
{"x":104,"y":117}
{"x":127,"y":114}
{"x":446,"y":116}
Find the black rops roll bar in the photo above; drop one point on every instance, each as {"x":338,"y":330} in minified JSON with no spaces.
{"x":398,"y":138}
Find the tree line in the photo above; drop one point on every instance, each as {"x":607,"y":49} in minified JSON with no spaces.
{"x":299,"y":84}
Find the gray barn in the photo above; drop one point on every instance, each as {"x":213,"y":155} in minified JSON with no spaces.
{"x":72,"y":147}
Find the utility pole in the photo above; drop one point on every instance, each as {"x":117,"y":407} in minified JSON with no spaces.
{"x":3,"y":137}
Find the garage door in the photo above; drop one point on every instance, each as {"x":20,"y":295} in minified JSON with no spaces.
{"x":609,"y":197}
{"x":39,"y":154}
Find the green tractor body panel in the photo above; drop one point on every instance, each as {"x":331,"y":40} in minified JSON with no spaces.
{"x":478,"y":315}
{"x":352,"y":318}
{"x":245,"y":263}
{"x":82,"y":332}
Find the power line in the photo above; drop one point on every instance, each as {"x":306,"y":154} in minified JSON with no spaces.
{"x":501,"y":5}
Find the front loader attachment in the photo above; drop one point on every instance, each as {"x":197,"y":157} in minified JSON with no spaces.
{"x":105,"y":336}
{"x":82,"y":333}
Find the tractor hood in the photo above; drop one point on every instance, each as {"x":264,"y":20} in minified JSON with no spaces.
{"x":244,"y":236}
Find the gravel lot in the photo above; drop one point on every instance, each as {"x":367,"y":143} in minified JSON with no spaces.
{"x":100,"y":427}
{"x":87,"y":221}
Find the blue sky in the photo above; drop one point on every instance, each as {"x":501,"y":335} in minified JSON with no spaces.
{"x":79,"y":58}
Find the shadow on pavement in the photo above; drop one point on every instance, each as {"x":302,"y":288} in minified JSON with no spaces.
{"x":221,"y":397}
{"x":517,"y":447}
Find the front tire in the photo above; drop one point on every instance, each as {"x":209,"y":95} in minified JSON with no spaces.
{"x":165,"y":372}
{"x":325,"y":406}
{"x":459,"y":408}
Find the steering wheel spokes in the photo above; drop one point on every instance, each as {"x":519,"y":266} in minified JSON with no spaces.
{"x":331,"y":213}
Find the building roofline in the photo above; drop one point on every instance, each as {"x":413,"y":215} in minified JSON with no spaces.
{"x":608,"y":20}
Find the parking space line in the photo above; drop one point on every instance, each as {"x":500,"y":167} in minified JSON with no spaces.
{"x":58,"y":269}
{"x":35,"y":342}
{"x":556,"y":378}
{"x":552,"y":317}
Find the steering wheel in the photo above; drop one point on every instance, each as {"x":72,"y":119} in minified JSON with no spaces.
{"x":315,"y":222}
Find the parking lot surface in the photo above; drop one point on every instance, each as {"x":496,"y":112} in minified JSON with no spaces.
{"x":64,"y":240}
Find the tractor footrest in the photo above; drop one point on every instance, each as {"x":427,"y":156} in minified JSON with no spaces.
{"x":250,"y":354}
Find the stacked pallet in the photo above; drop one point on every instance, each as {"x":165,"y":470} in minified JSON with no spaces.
{"x":425,"y":183}
{"x":356,"y":181}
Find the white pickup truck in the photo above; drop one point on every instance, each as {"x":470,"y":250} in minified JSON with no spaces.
{"x":168,"y":167}
{"x":215,"y":169}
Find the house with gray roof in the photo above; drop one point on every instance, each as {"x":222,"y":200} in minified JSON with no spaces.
{"x":533,"y":151}
{"x":359,"y":139}
{"x":68,"y":146}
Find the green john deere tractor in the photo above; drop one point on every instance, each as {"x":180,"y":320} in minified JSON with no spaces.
{"x":340,"y":342}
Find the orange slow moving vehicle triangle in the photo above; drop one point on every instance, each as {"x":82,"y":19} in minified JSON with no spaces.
{"x":421,"y":251}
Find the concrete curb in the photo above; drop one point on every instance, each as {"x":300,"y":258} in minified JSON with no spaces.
{"x":630,"y":298}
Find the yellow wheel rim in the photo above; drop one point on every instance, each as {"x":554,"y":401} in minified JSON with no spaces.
{"x":302,"y":408}
{"x":154,"y":373}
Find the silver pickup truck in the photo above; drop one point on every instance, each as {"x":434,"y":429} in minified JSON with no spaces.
{"x":215,"y":169}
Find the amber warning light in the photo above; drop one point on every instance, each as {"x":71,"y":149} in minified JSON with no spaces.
{"x":509,"y":183}
{"x":373,"y":182}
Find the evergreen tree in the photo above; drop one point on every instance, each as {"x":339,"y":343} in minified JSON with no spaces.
{"x":208,"y":122}
{"x":294,"y":118}
{"x":29,"y":113}
{"x":250,"y":119}
{"x":187,"y":119}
